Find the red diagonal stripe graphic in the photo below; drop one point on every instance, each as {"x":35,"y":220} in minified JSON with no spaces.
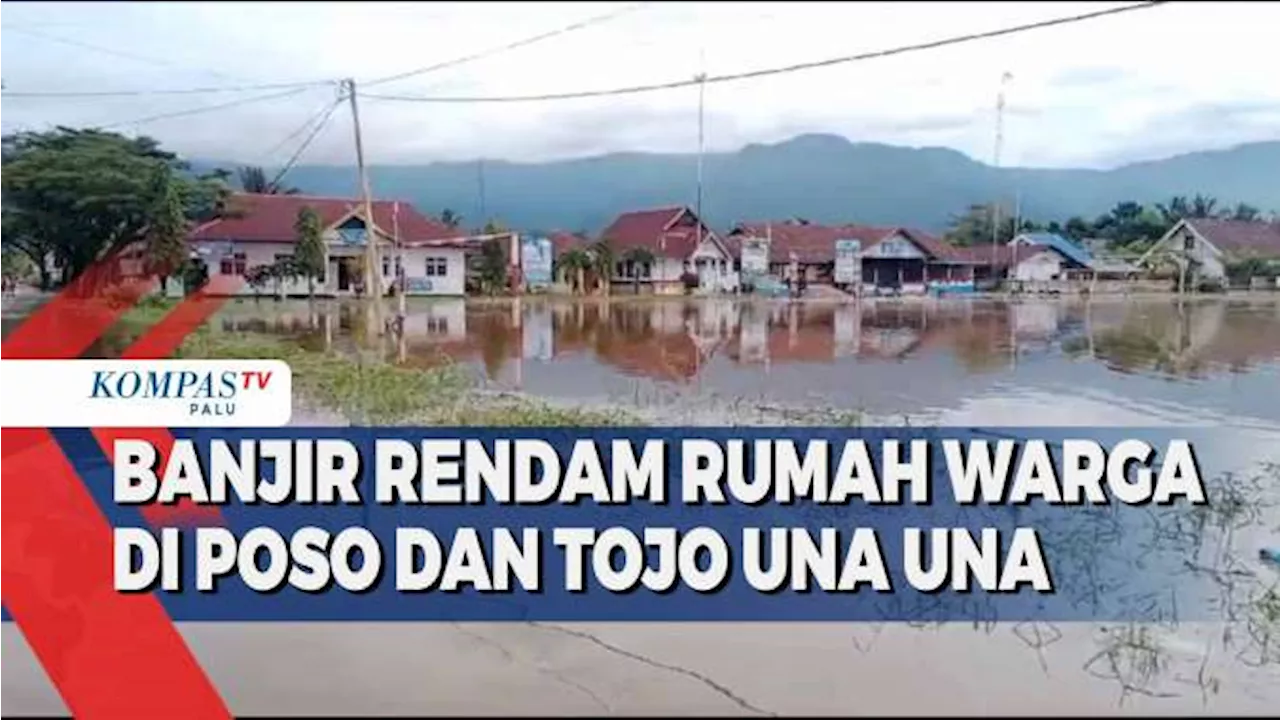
{"x":92,"y":641}
{"x":110,"y":655}
{"x":160,"y":341}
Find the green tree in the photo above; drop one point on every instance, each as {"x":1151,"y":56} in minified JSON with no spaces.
{"x":308,"y":252}
{"x":1244,"y":212}
{"x":74,"y":195}
{"x":1203,"y":206}
{"x":574,"y":264}
{"x":974,"y":227}
{"x":16,"y":266}
{"x":253,"y":179}
{"x":450,"y":218}
{"x":166,"y":238}
{"x":493,"y":266}
{"x":1078,"y":228}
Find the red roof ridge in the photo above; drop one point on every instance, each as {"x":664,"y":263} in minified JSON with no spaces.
{"x":302,"y":196}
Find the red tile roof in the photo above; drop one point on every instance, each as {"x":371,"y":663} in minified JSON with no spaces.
{"x":817,"y":243}
{"x":270,"y":218}
{"x":656,"y":230}
{"x":1239,"y":238}
{"x":563,"y":242}
{"x":811,"y":244}
{"x":1001,"y":256}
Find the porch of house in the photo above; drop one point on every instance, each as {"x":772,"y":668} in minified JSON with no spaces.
{"x":906,"y":275}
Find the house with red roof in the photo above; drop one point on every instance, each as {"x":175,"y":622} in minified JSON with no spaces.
{"x":1213,"y":245}
{"x":898,"y":258}
{"x":679,"y":243}
{"x":258,"y":230}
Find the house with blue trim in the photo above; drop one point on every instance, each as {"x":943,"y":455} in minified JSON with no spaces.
{"x":1048,"y":256}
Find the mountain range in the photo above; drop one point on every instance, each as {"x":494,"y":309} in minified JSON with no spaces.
{"x":822,"y":178}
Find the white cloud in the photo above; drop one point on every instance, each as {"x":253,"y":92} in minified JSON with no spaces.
{"x":1100,"y":91}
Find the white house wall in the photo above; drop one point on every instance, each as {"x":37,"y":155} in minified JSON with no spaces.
{"x":1206,"y":255}
{"x":1041,"y":267}
{"x":453,"y":282}
{"x":258,"y":254}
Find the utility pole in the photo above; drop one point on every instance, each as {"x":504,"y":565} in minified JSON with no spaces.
{"x":702,"y":94}
{"x":372,"y":269}
{"x":995,"y":162}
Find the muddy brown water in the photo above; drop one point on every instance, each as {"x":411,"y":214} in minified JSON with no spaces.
{"x":1210,"y":362}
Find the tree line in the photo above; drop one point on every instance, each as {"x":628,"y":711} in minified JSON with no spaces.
{"x":72,"y":197}
{"x":1128,"y":228}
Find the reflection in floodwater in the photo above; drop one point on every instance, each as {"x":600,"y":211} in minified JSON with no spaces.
{"x":977,"y":362}
{"x":887,"y":357}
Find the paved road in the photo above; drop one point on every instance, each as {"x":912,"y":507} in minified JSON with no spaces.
{"x":487,"y":669}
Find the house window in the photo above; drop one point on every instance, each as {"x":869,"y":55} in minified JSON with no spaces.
{"x":386,"y":266}
{"x":437,"y":325}
{"x":633,"y":269}
{"x":233,"y":264}
{"x":437,"y":267}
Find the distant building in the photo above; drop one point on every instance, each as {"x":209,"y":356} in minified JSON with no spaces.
{"x":258,"y":230}
{"x":1214,"y":244}
{"x":899,"y":259}
{"x":679,"y":242}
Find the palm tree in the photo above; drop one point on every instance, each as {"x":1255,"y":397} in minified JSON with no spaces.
{"x":602,"y":261}
{"x":1177,"y":209}
{"x":575,"y":263}
{"x":253,"y":179}
{"x":638,"y":257}
{"x":1202,"y":206}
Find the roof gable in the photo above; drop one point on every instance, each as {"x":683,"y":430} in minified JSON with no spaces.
{"x":1064,"y":247}
{"x":658,"y":230}
{"x":1240,"y":238}
{"x":270,"y":218}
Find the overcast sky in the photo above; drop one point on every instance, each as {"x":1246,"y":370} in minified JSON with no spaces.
{"x":1142,"y":85}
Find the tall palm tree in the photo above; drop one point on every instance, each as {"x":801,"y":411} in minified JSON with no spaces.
{"x":575,"y":263}
{"x":1202,"y":206}
{"x":1177,"y":209}
{"x":602,"y":261}
{"x":253,"y":179}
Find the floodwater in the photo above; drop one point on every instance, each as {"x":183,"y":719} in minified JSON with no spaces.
{"x":950,"y":362}
{"x":1209,"y":362}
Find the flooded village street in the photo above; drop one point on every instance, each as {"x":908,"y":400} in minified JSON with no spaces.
{"x":1210,"y":362}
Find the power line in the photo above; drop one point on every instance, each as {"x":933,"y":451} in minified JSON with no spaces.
{"x":184,"y":91}
{"x":511,"y":46}
{"x":104,"y":50}
{"x":324,"y":121}
{"x":207,"y":108}
{"x":324,"y":110}
{"x":779,"y":70}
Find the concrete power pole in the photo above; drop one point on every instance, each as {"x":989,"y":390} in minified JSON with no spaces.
{"x":372,"y":269}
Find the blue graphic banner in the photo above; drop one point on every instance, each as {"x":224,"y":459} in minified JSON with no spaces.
{"x":1106,"y":560}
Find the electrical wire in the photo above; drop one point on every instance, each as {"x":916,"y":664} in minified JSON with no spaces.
{"x":184,"y":91}
{"x":774,"y":71}
{"x":323,"y":111}
{"x":324,"y":121}
{"x":510,"y":46}
{"x":21,"y":30}
{"x":207,"y":108}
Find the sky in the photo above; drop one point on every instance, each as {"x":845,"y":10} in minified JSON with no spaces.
{"x":1180,"y":77}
